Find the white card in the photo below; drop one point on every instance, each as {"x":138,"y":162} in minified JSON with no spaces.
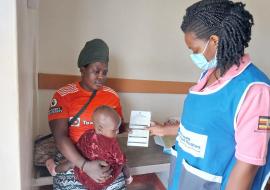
{"x":137,"y":127}
{"x":138,"y":137}
{"x":140,"y":118}
{"x":139,"y":134}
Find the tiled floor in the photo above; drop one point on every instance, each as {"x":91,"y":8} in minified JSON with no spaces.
{"x":141,"y":182}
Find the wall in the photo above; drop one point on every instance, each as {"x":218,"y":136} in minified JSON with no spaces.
{"x":9,"y":136}
{"x":144,"y":36}
{"x":27,"y":14}
{"x":145,"y":43}
{"x":18,"y":71}
{"x":260,"y":34}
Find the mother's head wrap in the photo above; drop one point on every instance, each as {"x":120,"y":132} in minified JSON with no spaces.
{"x":94,"y":51}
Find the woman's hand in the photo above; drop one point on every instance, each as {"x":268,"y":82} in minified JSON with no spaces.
{"x":163,"y":130}
{"x":156,"y":129}
{"x":98,"y":170}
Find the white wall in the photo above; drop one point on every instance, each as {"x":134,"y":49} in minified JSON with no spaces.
{"x":259,"y":45}
{"x":145,"y":42}
{"x":18,"y":49}
{"x":140,"y":34}
{"x":9,"y":136}
{"x":27,"y":57}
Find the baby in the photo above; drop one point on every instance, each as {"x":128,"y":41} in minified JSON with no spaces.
{"x":99,"y":143}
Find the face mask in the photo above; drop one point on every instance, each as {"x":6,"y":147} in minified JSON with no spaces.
{"x":201,"y":62}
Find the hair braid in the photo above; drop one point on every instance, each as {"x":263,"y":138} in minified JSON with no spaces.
{"x":226,"y":19}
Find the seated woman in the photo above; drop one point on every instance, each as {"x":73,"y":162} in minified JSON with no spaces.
{"x":66,"y":103}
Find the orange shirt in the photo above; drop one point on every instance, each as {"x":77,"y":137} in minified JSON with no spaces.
{"x":68,"y":100}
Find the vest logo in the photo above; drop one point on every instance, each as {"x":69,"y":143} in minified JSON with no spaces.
{"x":192,"y":143}
{"x":53,"y":102}
{"x":76,"y":123}
{"x":264,"y":123}
{"x":88,"y":122}
{"x":54,"y":110}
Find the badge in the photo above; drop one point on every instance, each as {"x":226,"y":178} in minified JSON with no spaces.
{"x":54,"y":110}
{"x":76,"y":123}
{"x":53,"y":102}
{"x":264,"y":123}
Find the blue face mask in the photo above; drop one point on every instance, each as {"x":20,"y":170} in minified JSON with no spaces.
{"x":201,"y":62}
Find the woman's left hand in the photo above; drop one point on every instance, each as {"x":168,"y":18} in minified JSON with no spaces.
{"x":98,"y":170}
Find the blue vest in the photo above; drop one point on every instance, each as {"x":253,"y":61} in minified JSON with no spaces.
{"x":205,"y":143}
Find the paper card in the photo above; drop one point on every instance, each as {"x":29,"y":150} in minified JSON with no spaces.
{"x":137,"y":127}
{"x":140,"y":118}
{"x":139,"y":134}
{"x":138,"y":137}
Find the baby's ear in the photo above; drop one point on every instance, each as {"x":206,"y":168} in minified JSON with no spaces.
{"x":98,"y":129}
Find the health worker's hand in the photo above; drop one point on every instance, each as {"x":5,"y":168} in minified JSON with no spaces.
{"x":156,"y":129}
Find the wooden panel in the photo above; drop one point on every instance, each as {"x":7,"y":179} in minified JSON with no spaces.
{"x":55,"y":81}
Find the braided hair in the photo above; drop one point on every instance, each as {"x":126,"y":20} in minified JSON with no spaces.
{"x":226,"y":19}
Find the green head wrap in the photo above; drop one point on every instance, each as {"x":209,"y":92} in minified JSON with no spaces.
{"x":94,"y":51}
